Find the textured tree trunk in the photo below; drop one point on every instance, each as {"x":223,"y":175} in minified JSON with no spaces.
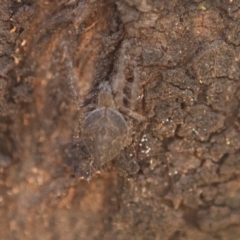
{"x":182,"y":72}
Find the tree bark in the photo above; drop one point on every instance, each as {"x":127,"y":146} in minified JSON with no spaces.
{"x":186,"y":56}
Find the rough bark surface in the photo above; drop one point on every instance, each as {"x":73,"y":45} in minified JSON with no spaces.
{"x":188,"y":57}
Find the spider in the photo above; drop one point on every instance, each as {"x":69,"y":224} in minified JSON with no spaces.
{"x":106,"y":131}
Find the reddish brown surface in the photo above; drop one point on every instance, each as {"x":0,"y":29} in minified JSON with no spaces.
{"x":188,"y":150}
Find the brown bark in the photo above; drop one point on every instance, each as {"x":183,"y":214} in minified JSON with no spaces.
{"x":188,"y":58}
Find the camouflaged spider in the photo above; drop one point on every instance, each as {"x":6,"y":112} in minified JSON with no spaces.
{"x":105,"y":131}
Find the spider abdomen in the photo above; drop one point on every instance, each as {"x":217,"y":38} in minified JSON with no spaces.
{"x":105,"y":133}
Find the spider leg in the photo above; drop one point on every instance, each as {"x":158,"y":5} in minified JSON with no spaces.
{"x":118,"y":82}
{"x":72,"y":77}
{"x":132,"y":114}
{"x":125,"y":164}
{"x":135,"y":91}
{"x":77,"y":130}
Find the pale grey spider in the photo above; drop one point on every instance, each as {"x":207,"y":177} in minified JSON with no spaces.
{"x":105,"y":131}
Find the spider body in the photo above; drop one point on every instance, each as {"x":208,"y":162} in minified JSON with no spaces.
{"x":107,"y":129}
{"x":104,"y":130}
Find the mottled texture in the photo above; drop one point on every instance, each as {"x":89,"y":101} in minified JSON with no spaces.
{"x":187,"y":57}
